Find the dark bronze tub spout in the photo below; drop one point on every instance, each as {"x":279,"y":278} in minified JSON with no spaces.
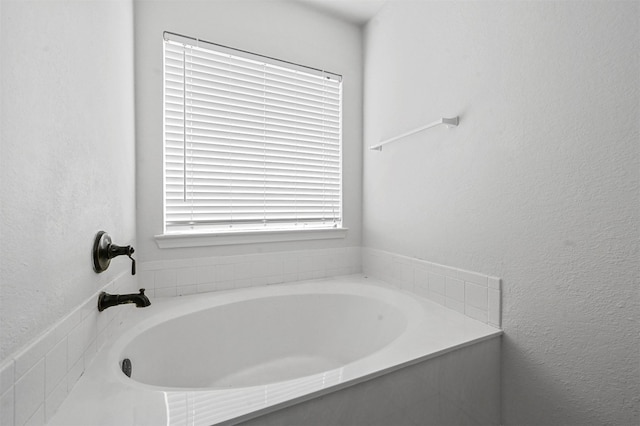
{"x":106,"y":300}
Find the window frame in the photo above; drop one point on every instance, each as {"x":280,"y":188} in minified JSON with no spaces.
{"x":209,"y":237}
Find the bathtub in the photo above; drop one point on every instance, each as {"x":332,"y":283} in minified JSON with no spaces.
{"x":228,"y":357}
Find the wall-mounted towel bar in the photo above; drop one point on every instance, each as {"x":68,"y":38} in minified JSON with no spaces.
{"x":449,"y":122}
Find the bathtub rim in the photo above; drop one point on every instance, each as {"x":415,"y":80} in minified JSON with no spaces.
{"x":213,"y":300}
{"x":99,"y":389}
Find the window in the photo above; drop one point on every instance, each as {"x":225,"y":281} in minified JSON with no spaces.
{"x":250,"y":143}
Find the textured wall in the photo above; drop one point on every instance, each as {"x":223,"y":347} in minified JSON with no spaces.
{"x":277,"y":28}
{"x":538,"y":185}
{"x":67,"y":159}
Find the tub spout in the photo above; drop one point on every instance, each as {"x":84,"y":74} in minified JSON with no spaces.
{"x":106,"y":300}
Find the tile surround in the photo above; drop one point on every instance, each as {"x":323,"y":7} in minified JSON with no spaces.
{"x":188,"y":276}
{"x":470,"y":293}
{"x":35,"y":380}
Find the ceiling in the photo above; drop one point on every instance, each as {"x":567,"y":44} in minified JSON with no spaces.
{"x":356,"y":11}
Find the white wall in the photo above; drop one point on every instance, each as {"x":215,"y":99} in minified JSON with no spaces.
{"x":67,"y":157}
{"x":281,"y":29}
{"x":538,"y":185}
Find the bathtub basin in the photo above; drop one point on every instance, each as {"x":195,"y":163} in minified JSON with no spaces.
{"x":226,"y":357}
{"x":263,"y":340}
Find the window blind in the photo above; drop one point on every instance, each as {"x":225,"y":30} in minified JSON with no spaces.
{"x":249,"y":143}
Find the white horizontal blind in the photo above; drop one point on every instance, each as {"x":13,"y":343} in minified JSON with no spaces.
{"x":249,"y":144}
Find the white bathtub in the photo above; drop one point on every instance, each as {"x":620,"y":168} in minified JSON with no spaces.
{"x":231,"y":356}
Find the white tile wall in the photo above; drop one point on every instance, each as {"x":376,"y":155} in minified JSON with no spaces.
{"x":470,"y":293}
{"x":188,"y":276}
{"x":35,"y":381}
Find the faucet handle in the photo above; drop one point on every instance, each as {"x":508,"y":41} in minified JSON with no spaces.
{"x":104,"y":251}
{"x":133,"y":267}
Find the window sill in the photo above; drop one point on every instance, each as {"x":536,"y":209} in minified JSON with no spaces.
{"x":246,"y":237}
